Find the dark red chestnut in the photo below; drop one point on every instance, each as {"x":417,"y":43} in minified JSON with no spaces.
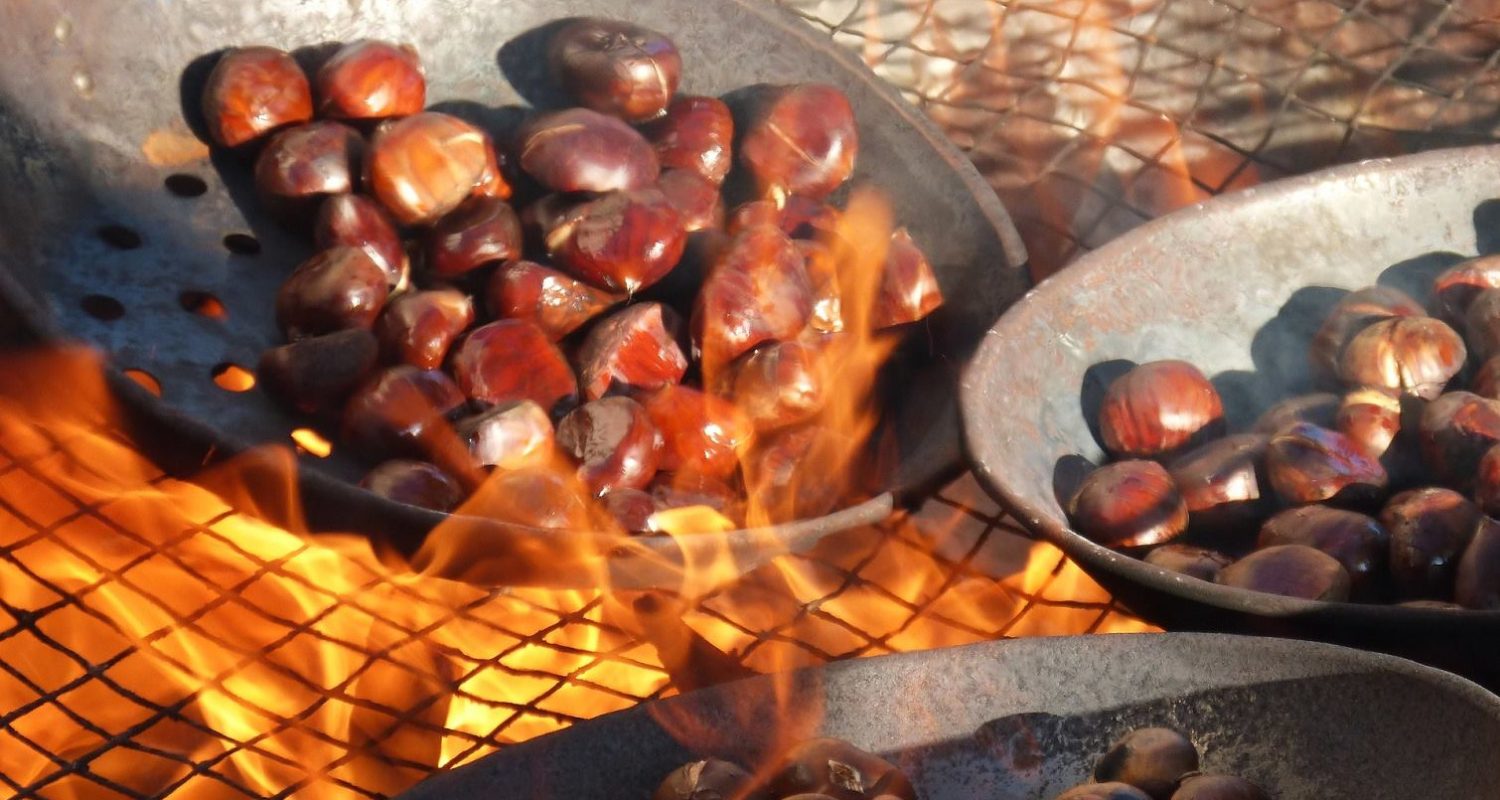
{"x":1222,"y":481}
{"x":415,"y":483}
{"x":756,"y":291}
{"x":1429,"y":530}
{"x":1150,"y":759}
{"x":802,"y":141}
{"x":353,"y":220}
{"x":1482,"y":324}
{"x":696,"y":199}
{"x":399,"y":410}
{"x":1407,"y":355}
{"x":509,"y":436}
{"x":370,"y":79}
{"x":1487,"y":483}
{"x":614,"y":442}
{"x":1454,"y":290}
{"x":701,"y":433}
{"x":419,"y":327}
{"x":578,"y":150}
{"x":553,"y":301}
{"x":779,"y":384}
{"x":622,"y":241}
{"x":1308,"y":464}
{"x":1358,"y":541}
{"x":616,"y":67}
{"x":317,"y":373}
{"x":335,"y":289}
{"x":695,"y":134}
{"x":1129,"y":504}
{"x":305,"y":164}
{"x":1292,"y":570}
{"x":1218,"y":787}
{"x":1455,"y":431}
{"x":633,"y":349}
{"x":1352,"y":314}
{"x":253,"y":91}
{"x":1320,"y":409}
{"x":1197,"y":562}
{"x":1159,"y":409}
{"x":1103,"y":791}
{"x":423,"y":166}
{"x":828,"y":766}
{"x":707,"y":780}
{"x":510,"y":360}
{"x":480,"y":231}
{"x":631,"y":508}
{"x":1371,"y":418}
{"x":909,"y":290}
{"x":1478,"y":581}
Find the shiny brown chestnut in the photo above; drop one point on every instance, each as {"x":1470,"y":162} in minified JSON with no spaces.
{"x":316,"y":373}
{"x":756,"y":291}
{"x":1487,"y":483}
{"x":1197,"y":562}
{"x":336,"y":289}
{"x":423,"y":166}
{"x":802,"y":140}
{"x":622,"y":241}
{"x":398,"y":411}
{"x":1358,"y":541}
{"x":1352,"y":314}
{"x":1223,"y":482}
{"x":415,"y":483}
{"x":253,"y":91}
{"x":480,"y":231}
{"x":707,"y":780}
{"x":510,"y":360}
{"x":1309,"y":464}
{"x":1218,"y":787}
{"x":1319,"y":408}
{"x":371,"y":79}
{"x":831,"y":767}
{"x":778,"y":385}
{"x":1150,"y":759}
{"x":1407,"y":355}
{"x":1159,"y":409}
{"x":1482,"y":324}
{"x":696,"y":199}
{"x":827,"y":296}
{"x":1429,"y":530}
{"x":909,"y":289}
{"x":614,"y":442}
{"x":1103,"y":791}
{"x":1456,"y":287}
{"x":354,"y":220}
{"x":1455,"y":431}
{"x":616,"y":67}
{"x":509,"y":436}
{"x":694,"y":134}
{"x":1371,"y":418}
{"x":1129,"y":504}
{"x":1291,"y":570}
{"x":301,"y":166}
{"x":700,"y":433}
{"x":1477,"y":583}
{"x":578,"y":150}
{"x":418,"y":327}
{"x":631,"y":350}
{"x":553,"y":301}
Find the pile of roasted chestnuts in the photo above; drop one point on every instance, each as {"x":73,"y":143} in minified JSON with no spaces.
{"x":1386,"y":491}
{"x":816,"y":769}
{"x":1158,"y":764}
{"x":486,"y":301}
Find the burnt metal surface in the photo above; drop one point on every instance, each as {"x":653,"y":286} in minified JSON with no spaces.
{"x":93,"y":139}
{"x":1026,"y":719}
{"x":1236,"y":286}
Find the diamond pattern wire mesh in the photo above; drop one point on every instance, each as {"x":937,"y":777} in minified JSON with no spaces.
{"x":155,"y":640}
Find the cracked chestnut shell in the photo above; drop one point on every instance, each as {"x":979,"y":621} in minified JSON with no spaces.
{"x":1290,"y":570}
{"x":1407,"y":355}
{"x":802,"y":140}
{"x":1309,"y":464}
{"x":616,"y":67}
{"x":1352,"y":314}
{"x":1129,"y":504}
{"x":1358,"y":541}
{"x":1197,"y":562}
{"x":253,"y":91}
{"x":371,"y":79}
{"x":614,"y":442}
{"x":1477,"y":584}
{"x":1429,"y":530}
{"x":1223,"y":482}
{"x":1159,"y":409}
{"x":578,"y":150}
{"x":423,"y":166}
{"x":621,"y":241}
{"x":707,"y":780}
{"x":415,"y":483}
{"x":1455,"y":431}
{"x":831,"y":767}
{"x":1454,"y":290}
{"x":553,"y":301}
{"x":696,"y":134}
{"x":1150,"y":759}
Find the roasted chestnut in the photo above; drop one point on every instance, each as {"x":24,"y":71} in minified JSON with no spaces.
{"x":253,"y":91}
{"x":1455,"y":432}
{"x":694,"y":134}
{"x":710,"y":779}
{"x":397,"y":411}
{"x":631,"y":508}
{"x":354,"y":220}
{"x":1197,"y":562}
{"x":423,"y":166}
{"x":1352,"y":314}
{"x":1429,"y":530}
{"x":1292,"y":570}
{"x":1486,"y":382}
{"x":480,"y":231}
{"x":537,"y":498}
{"x":777,"y":473}
{"x":823,"y":275}
{"x":802,"y":140}
{"x":1482,"y":324}
{"x":1487,"y":484}
{"x":1103,"y":791}
{"x":1218,"y":787}
{"x":829,"y":766}
{"x":415,"y":483}
{"x":1158,"y":410}
{"x":1129,"y":504}
{"x":419,"y":327}
{"x":1358,"y":541}
{"x":701,"y":433}
{"x":578,"y":150}
{"x":634,"y":349}
{"x":1320,"y":408}
{"x":1478,"y":580}
{"x":509,"y":436}
{"x":1150,"y":759}
{"x":1308,"y":464}
{"x":371,"y":79}
{"x":317,"y":373}
{"x":614,"y":441}
{"x":622,"y":241}
{"x":549,"y":299}
{"x":302,"y":165}
{"x":1408,"y":355}
{"x":1456,"y":287}
{"x":778,"y":385}
{"x":1371,"y":418}
{"x":756,"y":291}
{"x":695,"y":197}
{"x":616,"y":67}
{"x":909,"y":289}
{"x":336,"y":289}
{"x":1222,"y":482}
{"x":510,"y":360}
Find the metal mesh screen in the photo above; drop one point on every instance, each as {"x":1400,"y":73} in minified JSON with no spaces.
{"x":156,"y":640}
